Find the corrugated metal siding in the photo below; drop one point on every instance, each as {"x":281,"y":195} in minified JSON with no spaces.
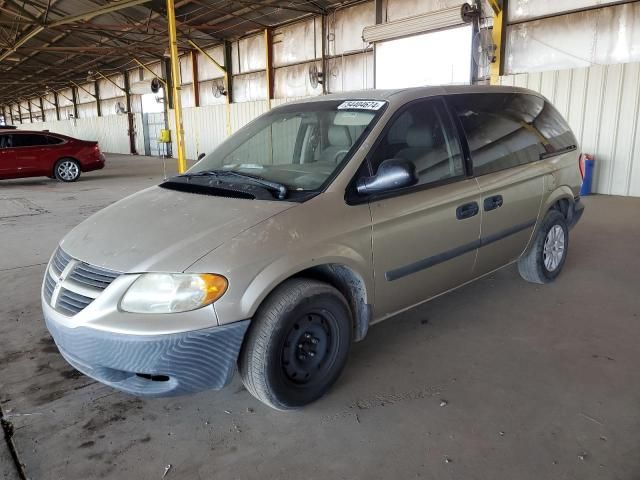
{"x":206,"y":127}
{"x":109,"y":131}
{"x":602,"y":105}
{"x":243,"y":113}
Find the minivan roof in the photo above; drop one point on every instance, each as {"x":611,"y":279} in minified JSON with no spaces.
{"x":417,"y":92}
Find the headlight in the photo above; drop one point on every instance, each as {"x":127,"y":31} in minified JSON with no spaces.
{"x":172,"y":292}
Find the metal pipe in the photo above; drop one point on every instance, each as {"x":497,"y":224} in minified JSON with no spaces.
{"x":74,"y":96}
{"x":63,"y":95}
{"x":57,"y":105}
{"x":150,"y":71}
{"x":82,"y":88}
{"x":110,"y":81}
{"x":194,"y":77}
{"x":269,"y":66}
{"x":131,"y":131}
{"x":175,"y":85}
{"x":48,"y":101}
{"x":226,"y":84}
{"x":96,"y":87}
{"x":209,"y":57}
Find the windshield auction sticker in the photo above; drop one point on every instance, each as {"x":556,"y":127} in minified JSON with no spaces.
{"x":361,"y":105}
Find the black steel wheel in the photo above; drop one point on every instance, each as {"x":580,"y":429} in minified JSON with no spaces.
{"x":297,"y":345}
{"x":310,"y":347}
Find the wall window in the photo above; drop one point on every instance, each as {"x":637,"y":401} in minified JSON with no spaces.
{"x":434,"y":58}
{"x":423,"y":134}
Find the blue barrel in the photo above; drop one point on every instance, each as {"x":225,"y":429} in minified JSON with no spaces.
{"x":587,"y":181}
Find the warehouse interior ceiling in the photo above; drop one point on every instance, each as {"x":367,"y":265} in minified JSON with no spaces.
{"x":45,"y":44}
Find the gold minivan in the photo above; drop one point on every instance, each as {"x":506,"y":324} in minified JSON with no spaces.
{"x":318,"y":219}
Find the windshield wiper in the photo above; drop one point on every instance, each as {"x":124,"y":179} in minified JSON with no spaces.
{"x":273,"y":186}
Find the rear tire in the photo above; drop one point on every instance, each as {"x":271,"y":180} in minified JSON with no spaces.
{"x":545,"y":259}
{"x":67,"y":170}
{"x":297,"y":344}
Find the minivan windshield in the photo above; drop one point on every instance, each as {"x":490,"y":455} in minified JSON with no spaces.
{"x":299,"y":146}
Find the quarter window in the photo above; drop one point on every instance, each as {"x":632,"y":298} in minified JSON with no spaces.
{"x":54,"y":140}
{"x":423,"y":135}
{"x":555,"y":129}
{"x":503,"y":130}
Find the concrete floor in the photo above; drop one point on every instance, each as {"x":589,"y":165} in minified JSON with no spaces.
{"x":500,"y":379}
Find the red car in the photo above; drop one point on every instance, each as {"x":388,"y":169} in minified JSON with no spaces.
{"x":26,"y":153}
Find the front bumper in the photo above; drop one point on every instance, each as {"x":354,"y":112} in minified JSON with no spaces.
{"x":153,"y":365}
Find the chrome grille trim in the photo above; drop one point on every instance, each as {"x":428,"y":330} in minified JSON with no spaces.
{"x":71,"y":285}
{"x":71,"y":301}
{"x":59,"y":261}
{"x":93,"y":276}
{"x":49,"y":285}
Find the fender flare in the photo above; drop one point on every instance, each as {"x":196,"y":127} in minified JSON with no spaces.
{"x":347,"y":260}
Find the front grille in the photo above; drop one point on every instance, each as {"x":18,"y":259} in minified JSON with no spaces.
{"x":60,"y":261}
{"x":77,"y":283}
{"x":49,"y":285}
{"x":70,"y":302}
{"x":93,"y":276}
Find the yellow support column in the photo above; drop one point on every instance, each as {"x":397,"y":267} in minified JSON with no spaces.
{"x":175,"y":76}
{"x":498,"y":25}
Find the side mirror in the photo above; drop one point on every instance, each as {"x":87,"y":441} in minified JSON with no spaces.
{"x":392,"y":174}
{"x":201,"y":156}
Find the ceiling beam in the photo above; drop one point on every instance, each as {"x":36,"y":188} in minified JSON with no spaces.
{"x":109,"y":8}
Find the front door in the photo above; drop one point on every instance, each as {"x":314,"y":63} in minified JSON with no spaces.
{"x":506,"y":146}
{"x":425,"y":237}
{"x":32,"y":150}
{"x":8,"y":165}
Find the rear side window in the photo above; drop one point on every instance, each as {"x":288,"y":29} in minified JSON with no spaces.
{"x":29,"y":140}
{"x":505,"y":130}
{"x":54,"y":140}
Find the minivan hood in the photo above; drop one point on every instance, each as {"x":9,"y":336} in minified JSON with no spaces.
{"x":158,"y":229}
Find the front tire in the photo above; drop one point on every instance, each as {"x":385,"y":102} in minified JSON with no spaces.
{"x":67,"y":170}
{"x":297,"y":344}
{"x":545,"y":259}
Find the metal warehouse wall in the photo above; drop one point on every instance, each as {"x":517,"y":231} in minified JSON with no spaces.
{"x":206,"y":127}
{"x":602,"y":105}
{"x":109,"y":131}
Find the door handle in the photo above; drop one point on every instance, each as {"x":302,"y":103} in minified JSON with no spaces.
{"x":467,"y":210}
{"x":491,"y":203}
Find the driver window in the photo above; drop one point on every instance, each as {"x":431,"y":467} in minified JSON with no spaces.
{"x":5,"y":141}
{"x":423,"y":135}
